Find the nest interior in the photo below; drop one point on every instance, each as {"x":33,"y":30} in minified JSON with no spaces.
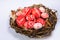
{"x":45,"y":31}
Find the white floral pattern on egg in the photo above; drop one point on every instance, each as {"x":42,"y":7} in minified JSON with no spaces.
{"x":42,"y":9}
{"x":44,"y":15}
{"x":37,"y":26}
{"x":18,"y":13}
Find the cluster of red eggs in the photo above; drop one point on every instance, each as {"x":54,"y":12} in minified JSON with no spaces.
{"x":31,"y":17}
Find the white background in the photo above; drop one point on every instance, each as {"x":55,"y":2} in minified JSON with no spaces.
{"x":6,"y":6}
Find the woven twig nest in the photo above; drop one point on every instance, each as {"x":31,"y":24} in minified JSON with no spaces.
{"x":42,"y":32}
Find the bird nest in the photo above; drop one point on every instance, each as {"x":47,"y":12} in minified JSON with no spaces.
{"x":44,"y":31}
